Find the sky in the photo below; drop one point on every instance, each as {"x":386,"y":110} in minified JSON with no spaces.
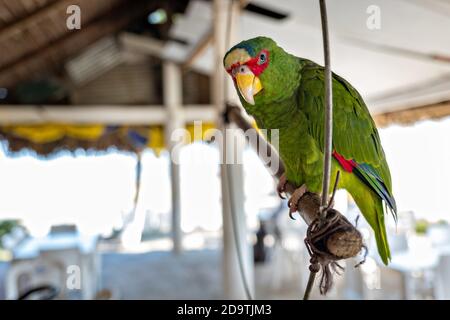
{"x":96,"y":191}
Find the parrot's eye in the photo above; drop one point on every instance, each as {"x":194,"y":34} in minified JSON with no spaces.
{"x":262,"y":58}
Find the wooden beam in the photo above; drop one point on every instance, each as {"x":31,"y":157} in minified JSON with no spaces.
{"x":204,"y":42}
{"x":199,"y":112}
{"x":412,"y":115}
{"x":142,"y":44}
{"x":103,"y":114}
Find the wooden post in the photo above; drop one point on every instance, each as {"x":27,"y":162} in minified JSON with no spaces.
{"x":237,"y":273}
{"x":172,"y":86}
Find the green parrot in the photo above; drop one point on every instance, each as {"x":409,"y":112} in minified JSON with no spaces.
{"x":285,"y":92}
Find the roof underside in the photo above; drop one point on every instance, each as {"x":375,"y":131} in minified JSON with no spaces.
{"x":403,"y":64}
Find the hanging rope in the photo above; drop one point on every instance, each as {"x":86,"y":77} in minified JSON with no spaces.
{"x":330,"y":236}
{"x":328,"y":110}
{"x":315,"y":267}
{"x":138,"y":181}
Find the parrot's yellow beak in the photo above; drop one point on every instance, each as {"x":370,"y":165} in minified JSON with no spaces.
{"x":248,"y":84}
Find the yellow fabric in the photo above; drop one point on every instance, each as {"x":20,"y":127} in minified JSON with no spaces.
{"x":204,"y":131}
{"x":91,"y":132}
{"x":156,"y":139}
{"x":37,"y":134}
{"x":53,"y":132}
{"x":47,"y":133}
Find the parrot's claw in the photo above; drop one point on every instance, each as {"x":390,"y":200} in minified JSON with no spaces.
{"x":295,"y":198}
{"x":281,"y":187}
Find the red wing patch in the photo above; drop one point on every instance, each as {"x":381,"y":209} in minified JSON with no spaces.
{"x":348,"y":165}
{"x":370,"y":178}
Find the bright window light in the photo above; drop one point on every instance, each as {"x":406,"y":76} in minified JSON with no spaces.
{"x":157,"y":17}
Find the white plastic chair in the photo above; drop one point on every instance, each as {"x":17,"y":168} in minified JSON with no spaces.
{"x":442,"y":279}
{"x":353,"y":286}
{"x":398,"y":242}
{"x":24,"y":275}
{"x":439,"y":235}
{"x":88,"y":263}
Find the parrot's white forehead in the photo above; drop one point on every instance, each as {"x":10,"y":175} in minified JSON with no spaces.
{"x":237,"y":56}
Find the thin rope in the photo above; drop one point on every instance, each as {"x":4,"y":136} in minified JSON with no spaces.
{"x":137,"y":192}
{"x":312,"y":275}
{"x":328,"y":127}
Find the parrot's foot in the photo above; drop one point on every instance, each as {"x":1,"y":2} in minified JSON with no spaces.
{"x":295,"y":198}
{"x":281,"y":187}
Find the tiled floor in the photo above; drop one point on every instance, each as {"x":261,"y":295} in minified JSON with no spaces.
{"x":163,"y":275}
{"x":196,"y":274}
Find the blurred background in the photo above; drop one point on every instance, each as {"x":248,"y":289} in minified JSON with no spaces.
{"x":92,"y":205}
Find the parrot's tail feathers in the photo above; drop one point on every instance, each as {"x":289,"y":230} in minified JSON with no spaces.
{"x":370,"y":177}
{"x":381,"y":236}
{"x":371,"y":207}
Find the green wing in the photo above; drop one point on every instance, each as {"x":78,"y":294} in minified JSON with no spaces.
{"x":355,"y":135}
{"x":355,"y":138}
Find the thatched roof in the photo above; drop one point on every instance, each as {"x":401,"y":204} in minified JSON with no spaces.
{"x":410,"y":116}
{"x":35,"y":36}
